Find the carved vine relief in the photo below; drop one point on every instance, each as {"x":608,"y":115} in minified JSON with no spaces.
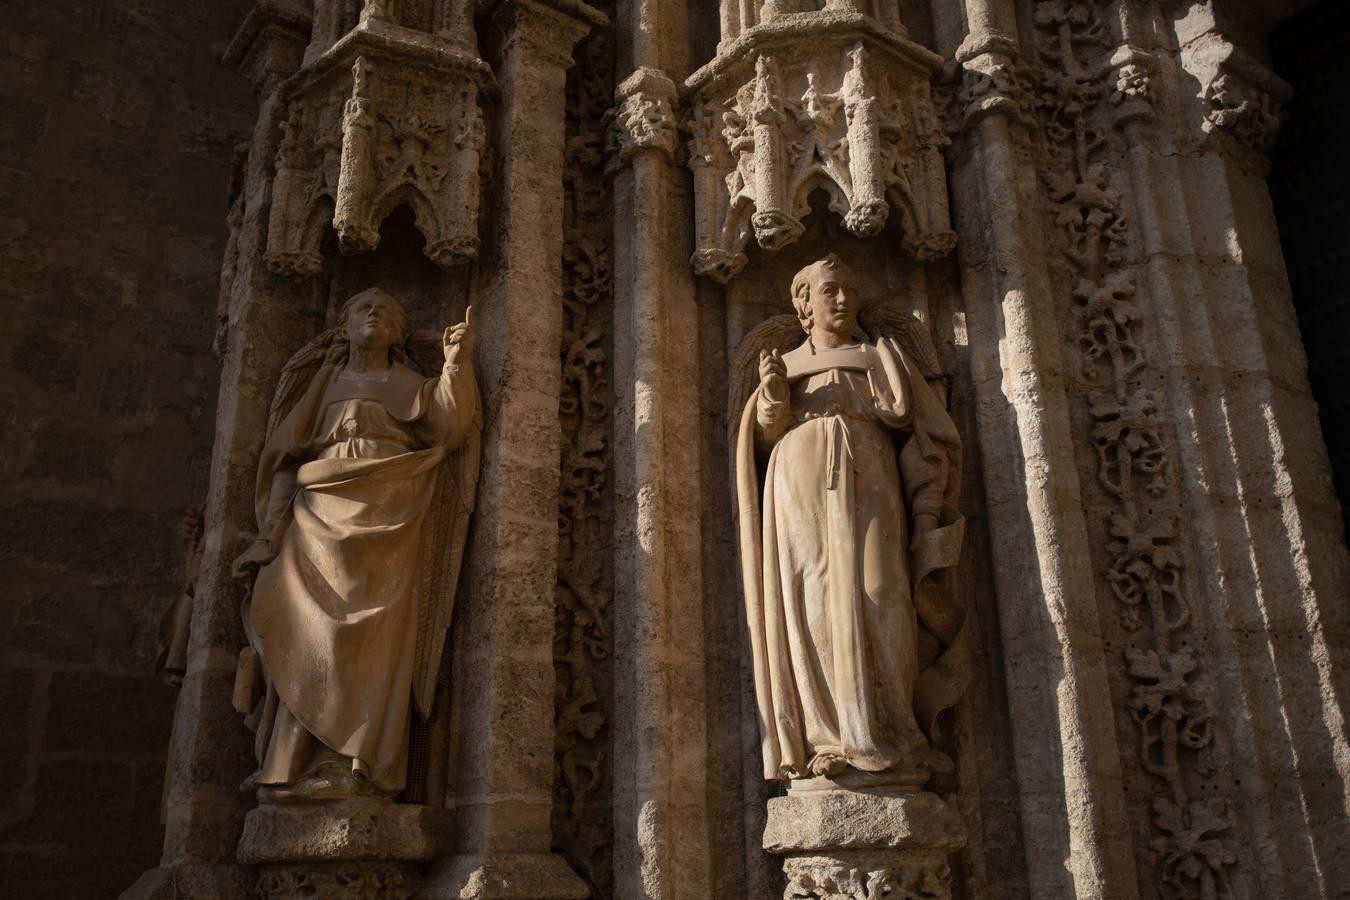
{"x":867,"y":876}
{"x":581,"y":826}
{"x":1168,"y":703}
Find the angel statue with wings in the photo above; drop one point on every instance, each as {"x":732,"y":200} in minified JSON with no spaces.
{"x":847,"y":468}
{"x":365,"y":486}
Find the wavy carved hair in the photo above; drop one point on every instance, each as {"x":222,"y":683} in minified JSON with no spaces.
{"x":398,"y":352}
{"x":801,"y":287}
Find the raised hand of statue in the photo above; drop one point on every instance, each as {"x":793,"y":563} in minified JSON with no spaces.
{"x":458,"y":339}
{"x":773,"y":375}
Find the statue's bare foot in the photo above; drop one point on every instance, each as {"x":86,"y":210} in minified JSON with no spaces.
{"x":828,"y":764}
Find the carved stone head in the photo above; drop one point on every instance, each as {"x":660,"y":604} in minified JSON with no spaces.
{"x":825,"y":295}
{"x":374,"y":319}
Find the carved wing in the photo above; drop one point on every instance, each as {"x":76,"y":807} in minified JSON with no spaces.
{"x":780,"y":333}
{"x":447,"y":526}
{"x":776,"y":332}
{"x":452,"y":507}
{"x":425,"y":351}
{"x":296,"y":375}
{"x":912,"y":334}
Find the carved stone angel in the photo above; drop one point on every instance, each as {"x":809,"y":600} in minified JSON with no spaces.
{"x":365,"y":486}
{"x":847,"y":468}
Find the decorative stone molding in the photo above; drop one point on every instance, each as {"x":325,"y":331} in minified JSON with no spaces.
{"x":387,"y":116}
{"x":336,"y":881}
{"x":644,"y":117}
{"x":1083,"y":80}
{"x":1130,"y":76}
{"x":815,"y":100}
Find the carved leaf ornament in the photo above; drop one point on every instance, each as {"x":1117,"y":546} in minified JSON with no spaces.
{"x":1171,"y":709}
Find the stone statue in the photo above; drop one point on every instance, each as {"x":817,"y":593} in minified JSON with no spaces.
{"x":844,"y":535}
{"x":364,"y":491}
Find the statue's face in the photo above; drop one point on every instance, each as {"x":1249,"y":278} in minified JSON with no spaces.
{"x":834,"y":300}
{"x":373,"y":321}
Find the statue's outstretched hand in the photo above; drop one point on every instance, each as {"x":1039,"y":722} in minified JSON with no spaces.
{"x":458,"y":339}
{"x":258,"y":554}
{"x":773,"y":375}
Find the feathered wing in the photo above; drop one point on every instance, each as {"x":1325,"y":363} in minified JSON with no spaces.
{"x":447,"y":526}
{"x":275,"y":469}
{"x":911,"y":333}
{"x":295,"y":377}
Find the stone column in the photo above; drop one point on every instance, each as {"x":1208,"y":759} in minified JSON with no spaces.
{"x":501,"y":777}
{"x":1078,"y":840}
{"x":266,"y":319}
{"x":1268,"y":544}
{"x":660,"y":738}
{"x":660,"y":819}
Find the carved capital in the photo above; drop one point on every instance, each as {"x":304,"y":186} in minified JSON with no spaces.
{"x":719,"y":265}
{"x":270,"y":44}
{"x":1246,"y":110}
{"x":996,"y":83}
{"x":1242,"y":102}
{"x":644,"y":117}
{"x":1130,"y":81}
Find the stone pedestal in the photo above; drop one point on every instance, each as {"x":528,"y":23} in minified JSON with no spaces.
{"x":356,"y":849}
{"x":847,"y":844}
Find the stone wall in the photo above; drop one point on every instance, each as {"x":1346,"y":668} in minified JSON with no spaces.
{"x":116,"y":141}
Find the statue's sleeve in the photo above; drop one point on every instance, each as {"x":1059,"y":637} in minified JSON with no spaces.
{"x":771,"y":419}
{"x":450,"y":403}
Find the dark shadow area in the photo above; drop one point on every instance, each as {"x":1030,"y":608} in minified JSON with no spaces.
{"x":1310,"y":187}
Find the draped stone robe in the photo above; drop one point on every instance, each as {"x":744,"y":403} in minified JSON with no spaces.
{"x":849,"y":631}
{"x":343,"y":489}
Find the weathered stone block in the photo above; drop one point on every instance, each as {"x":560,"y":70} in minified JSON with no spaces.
{"x":824,"y":820}
{"x":350,"y":830}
